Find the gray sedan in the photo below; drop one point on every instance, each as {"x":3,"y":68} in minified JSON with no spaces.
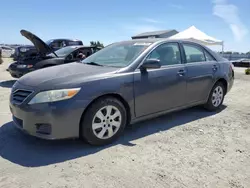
{"x":123,"y":83}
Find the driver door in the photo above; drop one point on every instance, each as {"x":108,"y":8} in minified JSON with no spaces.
{"x":161,"y":89}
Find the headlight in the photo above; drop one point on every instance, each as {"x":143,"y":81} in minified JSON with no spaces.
{"x":24,"y":49}
{"x":54,"y":95}
{"x":24,"y":66}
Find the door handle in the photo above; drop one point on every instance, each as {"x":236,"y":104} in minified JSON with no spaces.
{"x":215,"y":68}
{"x":181,"y":72}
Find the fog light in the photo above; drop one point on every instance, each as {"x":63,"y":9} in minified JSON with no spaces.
{"x":42,"y":128}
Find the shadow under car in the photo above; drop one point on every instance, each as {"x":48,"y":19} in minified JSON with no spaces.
{"x":29,"y":151}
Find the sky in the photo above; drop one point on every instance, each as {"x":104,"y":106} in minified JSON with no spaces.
{"x":115,"y":20}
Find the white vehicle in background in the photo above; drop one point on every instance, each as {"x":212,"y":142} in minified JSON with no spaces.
{"x":7,"y":51}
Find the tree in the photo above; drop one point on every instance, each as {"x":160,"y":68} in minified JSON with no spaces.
{"x":96,"y":43}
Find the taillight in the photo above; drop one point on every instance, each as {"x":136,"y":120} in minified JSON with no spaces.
{"x":232,"y":69}
{"x":232,"y":66}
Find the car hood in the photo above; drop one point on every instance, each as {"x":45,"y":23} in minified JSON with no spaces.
{"x":39,"y":44}
{"x":67,"y":75}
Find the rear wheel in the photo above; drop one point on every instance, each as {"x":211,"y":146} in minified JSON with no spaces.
{"x":104,"y":121}
{"x":216,"y":97}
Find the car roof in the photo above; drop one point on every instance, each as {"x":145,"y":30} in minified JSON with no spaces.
{"x":154,"y":40}
{"x":158,"y":40}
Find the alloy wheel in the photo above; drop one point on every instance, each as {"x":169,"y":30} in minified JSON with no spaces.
{"x":217,"y":96}
{"x":106,"y":122}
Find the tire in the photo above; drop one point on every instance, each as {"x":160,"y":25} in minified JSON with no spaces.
{"x":216,"y":97}
{"x":97,"y":113}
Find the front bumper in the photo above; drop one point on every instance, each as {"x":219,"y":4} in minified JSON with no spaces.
{"x":18,"y":72}
{"x":48,"y":121}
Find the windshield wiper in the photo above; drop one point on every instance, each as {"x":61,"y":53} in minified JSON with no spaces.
{"x":93,"y":63}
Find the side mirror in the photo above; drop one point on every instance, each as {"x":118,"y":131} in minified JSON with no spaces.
{"x":151,"y":64}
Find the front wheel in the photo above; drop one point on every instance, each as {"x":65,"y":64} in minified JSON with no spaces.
{"x":104,"y":121}
{"x":216,"y":97}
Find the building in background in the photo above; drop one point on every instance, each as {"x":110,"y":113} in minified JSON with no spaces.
{"x":156,"y":34}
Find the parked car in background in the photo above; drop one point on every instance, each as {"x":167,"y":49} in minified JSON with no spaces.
{"x":123,"y":83}
{"x":47,"y":57}
{"x":241,"y":62}
{"x":64,"y":55}
{"x":24,"y":51}
{"x":29,"y":51}
{"x":7,"y":51}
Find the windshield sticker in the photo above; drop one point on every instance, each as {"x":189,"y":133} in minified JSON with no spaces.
{"x":142,"y":44}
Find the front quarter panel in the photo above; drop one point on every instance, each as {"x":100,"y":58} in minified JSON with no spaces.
{"x":120,"y":83}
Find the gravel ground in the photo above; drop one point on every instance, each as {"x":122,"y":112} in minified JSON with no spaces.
{"x":191,"y":148}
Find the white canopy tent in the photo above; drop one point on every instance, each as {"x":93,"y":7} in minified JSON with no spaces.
{"x":194,"y":34}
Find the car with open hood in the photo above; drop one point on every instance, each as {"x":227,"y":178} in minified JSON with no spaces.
{"x":121,"y":84}
{"x":7,"y":51}
{"x":47,"y":57}
{"x":241,"y":62}
{"x":30,"y":51}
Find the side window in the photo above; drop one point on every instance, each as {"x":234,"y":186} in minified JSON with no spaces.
{"x":55,"y":44}
{"x":63,"y":44}
{"x":168,"y":54}
{"x":193,"y":53}
{"x":74,"y":43}
{"x":208,"y":57}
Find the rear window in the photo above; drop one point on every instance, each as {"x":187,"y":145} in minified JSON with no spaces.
{"x":193,"y":53}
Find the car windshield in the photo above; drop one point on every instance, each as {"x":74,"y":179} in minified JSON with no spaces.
{"x":118,"y":54}
{"x":65,"y":51}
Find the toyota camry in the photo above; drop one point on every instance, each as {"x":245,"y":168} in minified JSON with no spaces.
{"x":123,"y":83}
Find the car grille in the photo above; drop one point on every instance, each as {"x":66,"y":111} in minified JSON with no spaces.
{"x":19,"y":96}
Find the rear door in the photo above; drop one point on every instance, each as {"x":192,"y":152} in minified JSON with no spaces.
{"x":201,"y":72}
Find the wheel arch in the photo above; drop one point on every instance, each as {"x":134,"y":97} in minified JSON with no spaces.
{"x":224,"y":82}
{"x":114,"y":95}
